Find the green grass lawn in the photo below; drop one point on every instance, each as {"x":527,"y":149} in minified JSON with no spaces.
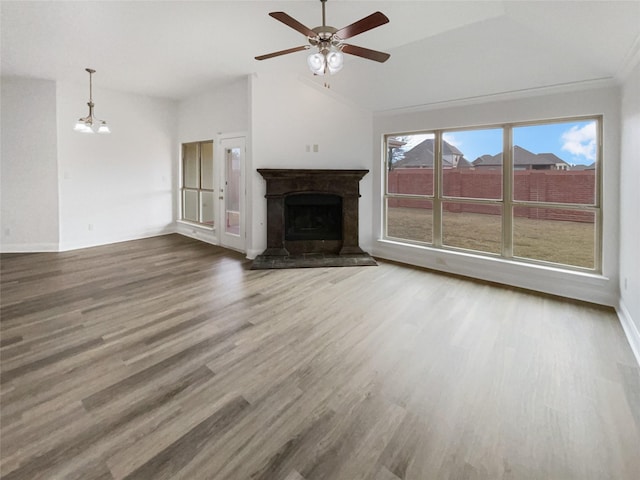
{"x":563,"y":242}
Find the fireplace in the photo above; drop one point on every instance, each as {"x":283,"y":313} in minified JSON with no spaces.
{"x":312,"y":218}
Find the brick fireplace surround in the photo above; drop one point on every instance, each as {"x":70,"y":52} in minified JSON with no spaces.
{"x":283,"y":253}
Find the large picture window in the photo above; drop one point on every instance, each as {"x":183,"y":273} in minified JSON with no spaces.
{"x":197,"y":183}
{"x":528,"y":192}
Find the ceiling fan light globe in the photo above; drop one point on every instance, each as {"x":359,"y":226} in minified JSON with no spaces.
{"x":335,"y":62}
{"x":104,"y":128}
{"x":317,"y":63}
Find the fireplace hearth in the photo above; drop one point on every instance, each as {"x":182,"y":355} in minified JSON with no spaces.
{"x":312,"y":219}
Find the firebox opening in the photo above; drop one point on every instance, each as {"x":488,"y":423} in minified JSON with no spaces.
{"x":313,"y":216}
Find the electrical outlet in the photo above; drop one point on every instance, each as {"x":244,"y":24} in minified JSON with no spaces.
{"x":315,"y":148}
{"x":90,"y":227}
{"x":308,"y":148}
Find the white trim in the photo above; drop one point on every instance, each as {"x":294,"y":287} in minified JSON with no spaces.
{"x":253,"y":253}
{"x":630,"y":329}
{"x":28,"y":247}
{"x":501,"y":96}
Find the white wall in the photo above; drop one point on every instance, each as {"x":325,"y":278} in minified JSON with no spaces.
{"x":224,"y":109}
{"x":120,"y":186}
{"x":29,"y":216}
{"x":289,"y":113}
{"x":594,"y":288}
{"x":629,"y":308}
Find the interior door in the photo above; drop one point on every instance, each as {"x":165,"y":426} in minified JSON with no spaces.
{"x":232,"y":194}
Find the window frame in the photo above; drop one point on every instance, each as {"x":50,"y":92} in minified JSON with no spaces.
{"x":507,"y":203}
{"x":199,"y":190}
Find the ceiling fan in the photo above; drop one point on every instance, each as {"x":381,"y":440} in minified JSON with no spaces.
{"x":329,"y":42}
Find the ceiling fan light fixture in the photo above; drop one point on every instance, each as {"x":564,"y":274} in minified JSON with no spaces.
{"x":317,"y":63}
{"x":335,"y":60}
{"x":329,"y":59}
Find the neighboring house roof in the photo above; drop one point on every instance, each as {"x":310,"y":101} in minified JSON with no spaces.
{"x":422,"y":155}
{"x":584,"y":167}
{"x":521,"y":157}
{"x":552,"y":157}
{"x":464,"y":163}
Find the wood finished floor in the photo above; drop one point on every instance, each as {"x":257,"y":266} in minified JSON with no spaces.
{"x":166,"y":358}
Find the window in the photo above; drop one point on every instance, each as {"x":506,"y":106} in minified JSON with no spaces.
{"x":528,"y":192}
{"x":197,"y":182}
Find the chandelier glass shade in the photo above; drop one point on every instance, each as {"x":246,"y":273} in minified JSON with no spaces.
{"x":90,"y":123}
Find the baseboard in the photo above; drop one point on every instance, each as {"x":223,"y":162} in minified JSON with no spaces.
{"x":630,"y":329}
{"x":126,"y":237}
{"x":211,"y":240}
{"x":28,"y":247}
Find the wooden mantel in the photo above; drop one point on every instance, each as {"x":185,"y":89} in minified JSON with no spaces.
{"x":284,"y":182}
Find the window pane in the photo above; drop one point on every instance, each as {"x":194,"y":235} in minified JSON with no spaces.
{"x":190,"y":205}
{"x":410,"y":219}
{"x":472,"y":163}
{"x":555,"y":235}
{"x":232,"y":196}
{"x":555,"y":162}
{"x":472,"y":226}
{"x":207,"y":165}
{"x":206,"y":207}
{"x":410,"y":160}
{"x":190,"y":174}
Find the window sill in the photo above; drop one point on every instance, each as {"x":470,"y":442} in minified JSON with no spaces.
{"x":580,"y":285}
{"x":196,"y":225}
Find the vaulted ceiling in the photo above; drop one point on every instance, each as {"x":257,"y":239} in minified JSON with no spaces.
{"x":440,"y":50}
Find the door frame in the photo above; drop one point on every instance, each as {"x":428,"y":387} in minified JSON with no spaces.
{"x":234,"y":243}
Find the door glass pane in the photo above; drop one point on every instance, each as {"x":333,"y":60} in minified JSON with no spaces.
{"x":555,"y":162}
{"x":207,"y":165}
{"x":232,"y":191}
{"x":410,"y":219}
{"x":555,"y":235}
{"x":472,"y":163}
{"x":190,"y":205}
{"x":472,"y":226}
{"x":206,"y":207}
{"x":410,"y":164}
{"x":190,"y":173}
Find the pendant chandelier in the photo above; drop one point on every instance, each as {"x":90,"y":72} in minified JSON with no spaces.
{"x":90,"y":123}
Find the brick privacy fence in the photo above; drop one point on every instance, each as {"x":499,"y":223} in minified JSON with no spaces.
{"x":529,"y":185}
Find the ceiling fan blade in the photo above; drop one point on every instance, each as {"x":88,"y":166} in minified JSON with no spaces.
{"x":365,"y":53}
{"x":282,"y":52}
{"x":293,"y":23}
{"x":367,"y":23}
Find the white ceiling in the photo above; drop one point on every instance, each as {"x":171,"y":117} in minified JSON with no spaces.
{"x":440,"y":50}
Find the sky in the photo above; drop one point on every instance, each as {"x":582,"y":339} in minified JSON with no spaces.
{"x":573,"y":142}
